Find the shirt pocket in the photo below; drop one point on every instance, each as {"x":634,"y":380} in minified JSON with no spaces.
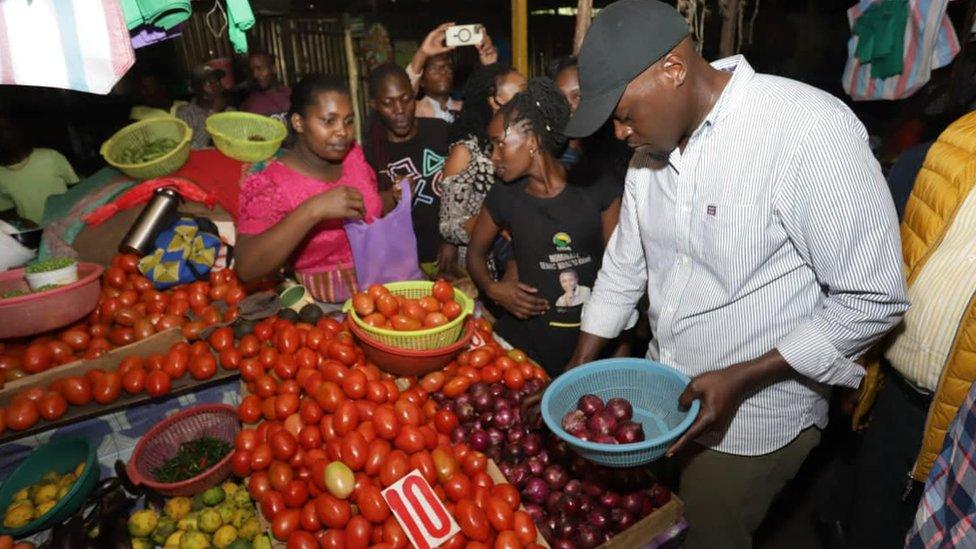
{"x":731,"y":241}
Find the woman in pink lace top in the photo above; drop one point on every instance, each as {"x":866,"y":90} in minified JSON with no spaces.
{"x":291,"y":213}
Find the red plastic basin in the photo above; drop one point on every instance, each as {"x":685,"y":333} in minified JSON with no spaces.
{"x":406,"y":362}
{"x":49,"y":310}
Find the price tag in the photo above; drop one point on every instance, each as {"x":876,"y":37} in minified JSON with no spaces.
{"x":420,"y":512}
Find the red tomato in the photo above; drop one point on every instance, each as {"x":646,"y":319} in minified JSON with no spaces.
{"x":284,"y":523}
{"x":107,"y":389}
{"x":410,"y":439}
{"x":280,"y":475}
{"x":114,"y":277}
{"x":371,"y":505}
{"x":451,"y":310}
{"x":433,"y":320}
{"x":444,"y":464}
{"x":354,"y":385}
{"x":295,"y":493}
{"x":479,"y":358}
{"x":261,"y":457}
{"x":376,"y":455}
{"x":500,"y":514}
{"x":524,"y":527}
{"x":442,"y":291}
{"x":403,"y":323}
{"x":175,"y":363}
{"x":346,"y":418}
{"x":407,"y":413}
{"x":333,"y":539}
{"x":61,"y":352}
{"x":514,"y":379}
{"x":457,"y":487}
{"x":472,"y":520}
{"x":246,"y":439}
{"x":283,"y":445}
{"x":332,"y":512}
{"x":37,"y":358}
{"x":266,"y":387}
{"x":474,"y":463}
{"x":508,"y":493}
{"x":456,"y":386}
{"x":310,"y":519}
{"x":76,"y":390}
{"x":425,"y":464}
{"x":386,"y":305}
{"x":52,"y":406}
{"x":329,"y":396}
{"x":288,"y":340}
{"x":354,"y":450}
{"x":310,"y":412}
{"x":310,"y":437}
{"x":240,"y":463}
{"x":343,"y":353}
{"x":333,"y":370}
{"x":300,"y":539}
{"x":385,"y":422}
{"x":203,"y":367}
{"x":249,"y":345}
{"x":230,"y":358}
{"x":358,"y":533}
{"x":396,"y":466}
{"x":445,"y":421}
{"x":433,"y":381}
{"x":249,"y":410}
{"x":508,"y":540}
{"x":21,"y":415}
{"x":157,"y":383}
{"x":286,"y":404}
{"x":258,"y":485}
{"x":363,"y":304}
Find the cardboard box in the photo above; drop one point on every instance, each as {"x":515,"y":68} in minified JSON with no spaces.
{"x":157,"y":343}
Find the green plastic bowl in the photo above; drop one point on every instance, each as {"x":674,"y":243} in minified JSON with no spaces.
{"x":61,"y":456}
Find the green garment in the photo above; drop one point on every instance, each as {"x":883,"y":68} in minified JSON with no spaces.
{"x":881,"y":37}
{"x":163,"y":14}
{"x":29,"y":182}
{"x":239,"y":19}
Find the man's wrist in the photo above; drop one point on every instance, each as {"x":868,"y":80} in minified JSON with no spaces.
{"x":763,"y":370}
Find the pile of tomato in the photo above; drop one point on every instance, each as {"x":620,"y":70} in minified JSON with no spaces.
{"x":129,"y":309}
{"x":379,"y":308}
{"x":325,"y":432}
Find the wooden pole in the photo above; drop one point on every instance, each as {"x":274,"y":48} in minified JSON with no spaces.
{"x":729,"y":10}
{"x":584,"y":16}
{"x":352,"y":67}
{"x":520,"y":36}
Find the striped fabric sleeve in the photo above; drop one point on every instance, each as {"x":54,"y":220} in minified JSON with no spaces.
{"x":623,"y":275}
{"x":839,"y":214}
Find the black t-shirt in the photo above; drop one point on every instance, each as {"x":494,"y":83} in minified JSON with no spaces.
{"x":421,"y":157}
{"x":558,"y":241}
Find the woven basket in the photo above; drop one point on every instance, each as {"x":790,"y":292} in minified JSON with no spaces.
{"x":418,"y":340}
{"x":143,"y":132}
{"x":163,"y":441}
{"x":233,"y":133}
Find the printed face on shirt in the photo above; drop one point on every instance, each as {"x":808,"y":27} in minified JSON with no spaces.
{"x":569,"y":280}
{"x":653,"y":113}
{"x":395,"y":104}
{"x":438,"y":77}
{"x":326,"y":126}
{"x":568,"y":82}
{"x":262,"y":70}
{"x":511,"y":148}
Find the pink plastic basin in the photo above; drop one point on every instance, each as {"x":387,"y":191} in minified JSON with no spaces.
{"x":49,"y":310}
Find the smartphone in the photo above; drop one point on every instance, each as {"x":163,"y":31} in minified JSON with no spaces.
{"x":464,"y":35}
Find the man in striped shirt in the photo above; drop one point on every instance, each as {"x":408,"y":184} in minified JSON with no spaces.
{"x":761,"y":228}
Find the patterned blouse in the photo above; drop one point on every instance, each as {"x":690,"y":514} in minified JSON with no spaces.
{"x":463,"y":193}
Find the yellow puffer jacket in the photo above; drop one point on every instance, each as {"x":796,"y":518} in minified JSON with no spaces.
{"x":935,"y":347}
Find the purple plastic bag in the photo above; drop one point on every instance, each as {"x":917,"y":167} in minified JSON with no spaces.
{"x":386,"y":249}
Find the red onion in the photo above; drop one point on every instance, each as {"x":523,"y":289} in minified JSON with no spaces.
{"x":620,"y":408}
{"x":598,"y":518}
{"x":610,"y":500}
{"x":496,"y":390}
{"x":574,"y":487}
{"x":505,"y":468}
{"x":564,"y":544}
{"x":479,"y":389}
{"x":478,"y":441}
{"x":503,"y":418}
{"x":512,"y":453}
{"x":659,"y":495}
{"x":519,"y":475}
{"x":646,"y":508}
{"x":621,"y":519}
{"x":549,"y":526}
{"x":607,"y":536}
{"x":587,"y":536}
{"x":495,"y":437}
{"x":552,"y":502}
{"x":464,"y":411}
{"x":502,"y":404}
{"x":581,"y":434}
{"x":494,"y":453}
{"x":605,"y":439}
{"x":628,"y":432}
{"x":592,"y":489}
{"x":515,"y":435}
{"x":565,"y":527}
{"x":535,"y":490}
{"x":532,"y":444}
{"x":570,"y":504}
{"x":586,"y":504}
{"x":555,"y":476}
{"x":459,"y":434}
{"x":535,"y":511}
{"x":536,"y":467}
{"x":631,"y":502}
{"x":590,"y":404}
{"x":543,"y":456}
{"x":601,"y":424}
{"x":481,"y":402}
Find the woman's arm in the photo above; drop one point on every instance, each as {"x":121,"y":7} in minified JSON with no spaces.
{"x":259,"y":255}
{"x":452,"y":215}
{"x":517,"y":298}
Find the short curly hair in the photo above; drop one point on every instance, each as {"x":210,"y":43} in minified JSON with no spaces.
{"x":545,"y":110}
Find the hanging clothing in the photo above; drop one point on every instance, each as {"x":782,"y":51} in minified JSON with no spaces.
{"x":162,"y":14}
{"x":239,"y":19}
{"x":930,"y":43}
{"x":81,"y":45}
{"x":880,"y":35}
{"x":147,"y":35}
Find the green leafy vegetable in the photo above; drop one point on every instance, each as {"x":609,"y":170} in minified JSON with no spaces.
{"x":14,"y":293}
{"x":193,"y":458}
{"x":52,"y":264}
{"x":147,"y":151}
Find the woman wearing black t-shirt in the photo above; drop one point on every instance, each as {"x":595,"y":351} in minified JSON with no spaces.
{"x":558,"y":230}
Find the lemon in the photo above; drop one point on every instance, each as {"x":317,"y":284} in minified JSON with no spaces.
{"x":18,"y":514}
{"x":45,"y":493}
{"x":194,"y":540}
{"x":142,"y":523}
{"x":173,"y":541}
{"x":224,"y":536}
{"x":250,"y":529}
{"x":177,"y":508}
{"x":45,"y":507}
{"x":210,"y":521}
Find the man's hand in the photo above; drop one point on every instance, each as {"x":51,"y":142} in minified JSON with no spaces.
{"x":519,"y":299}
{"x":434,"y":43}
{"x":722,"y":391}
{"x":447,"y":261}
{"x":487,"y":54}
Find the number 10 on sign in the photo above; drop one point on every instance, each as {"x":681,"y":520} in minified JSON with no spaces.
{"x":420,"y":512}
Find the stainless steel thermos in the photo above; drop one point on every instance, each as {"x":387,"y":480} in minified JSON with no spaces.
{"x":158,"y":214}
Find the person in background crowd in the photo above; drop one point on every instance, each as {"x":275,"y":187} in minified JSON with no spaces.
{"x":153,"y":93}
{"x":555,"y":227}
{"x":293,"y":210}
{"x":208,"y":98}
{"x":760,"y":225}
{"x":565,"y":73}
{"x":469,"y":172}
{"x":269,"y":97}
{"x":431,"y":71}
{"x":29,"y":175}
{"x":413,"y":149}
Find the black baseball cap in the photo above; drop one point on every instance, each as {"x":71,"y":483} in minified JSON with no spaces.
{"x":624,"y":39}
